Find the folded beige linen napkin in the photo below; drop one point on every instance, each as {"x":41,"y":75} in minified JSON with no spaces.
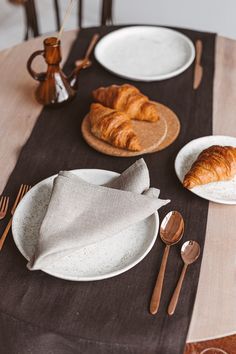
{"x":80,"y":213}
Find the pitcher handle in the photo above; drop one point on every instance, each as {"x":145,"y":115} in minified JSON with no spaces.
{"x":36,"y":76}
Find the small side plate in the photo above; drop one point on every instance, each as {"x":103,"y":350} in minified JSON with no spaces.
{"x":223,"y":192}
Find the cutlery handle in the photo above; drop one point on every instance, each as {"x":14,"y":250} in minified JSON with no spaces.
{"x":4,"y":235}
{"x":198,"y":51}
{"x":175,"y":296}
{"x":156,"y":295}
{"x":91,"y":45}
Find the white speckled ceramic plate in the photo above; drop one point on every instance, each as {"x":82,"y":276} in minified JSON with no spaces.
{"x":145,"y":53}
{"x":105,"y":259}
{"x":219,"y":192}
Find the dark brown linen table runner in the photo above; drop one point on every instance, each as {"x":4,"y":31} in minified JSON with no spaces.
{"x":42,"y":314}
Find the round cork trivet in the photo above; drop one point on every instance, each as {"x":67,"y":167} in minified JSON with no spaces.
{"x":151,"y":135}
{"x":173,"y":128}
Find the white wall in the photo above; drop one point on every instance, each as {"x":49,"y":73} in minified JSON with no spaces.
{"x":207,"y":15}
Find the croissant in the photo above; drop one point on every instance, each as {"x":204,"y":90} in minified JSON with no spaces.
{"x":216,"y":163}
{"x":128,"y":99}
{"x":113,"y":127}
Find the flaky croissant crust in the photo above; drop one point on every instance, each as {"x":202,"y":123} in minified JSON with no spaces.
{"x":216,"y":163}
{"x":113,"y":127}
{"x":129,"y":99}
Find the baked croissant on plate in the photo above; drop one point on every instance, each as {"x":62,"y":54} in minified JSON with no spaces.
{"x":216,"y":163}
{"x":128,"y":99}
{"x":113,"y":127}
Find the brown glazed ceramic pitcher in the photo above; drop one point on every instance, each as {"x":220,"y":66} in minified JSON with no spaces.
{"x":54,"y":87}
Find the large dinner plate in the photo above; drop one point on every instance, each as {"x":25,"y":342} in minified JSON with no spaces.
{"x":105,"y":259}
{"x":223,"y":192}
{"x":145,"y":53}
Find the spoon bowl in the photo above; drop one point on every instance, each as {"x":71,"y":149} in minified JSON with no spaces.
{"x":190,"y":252}
{"x":83,"y":63}
{"x":172,"y":228}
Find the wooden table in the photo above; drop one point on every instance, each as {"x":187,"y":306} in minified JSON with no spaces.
{"x":214,"y":314}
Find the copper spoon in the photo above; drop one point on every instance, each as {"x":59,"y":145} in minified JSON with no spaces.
{"x":86,"y":62}
{"x":171,"y":232}
{"x":190,"y":252}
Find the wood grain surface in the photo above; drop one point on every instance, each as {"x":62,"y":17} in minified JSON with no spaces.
{"x":214,"y":312}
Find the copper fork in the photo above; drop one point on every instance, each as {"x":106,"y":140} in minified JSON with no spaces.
{"x":4,"y":201}
{"x":22,"y":191}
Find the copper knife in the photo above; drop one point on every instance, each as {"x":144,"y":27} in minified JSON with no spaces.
{"x":198,"y":70}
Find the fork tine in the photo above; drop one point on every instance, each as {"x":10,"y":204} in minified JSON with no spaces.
{"x":25,"y":190}
{"x":1,"y":201}
{"x":22,"y":191}
{"x":7,"y":203}
{"x":17,"y":199}
{"x":21,"y":195}
{"x":3,"y":204}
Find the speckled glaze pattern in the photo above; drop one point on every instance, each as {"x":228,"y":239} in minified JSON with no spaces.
{"x":148,"y":53}
{"x":220,"y":192}
{"x":105,"y":259}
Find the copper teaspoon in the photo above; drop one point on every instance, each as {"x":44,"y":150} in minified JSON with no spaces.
{"x":190,"y":252}
{"x":171,"y":232}
{"x":86,"y":62}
